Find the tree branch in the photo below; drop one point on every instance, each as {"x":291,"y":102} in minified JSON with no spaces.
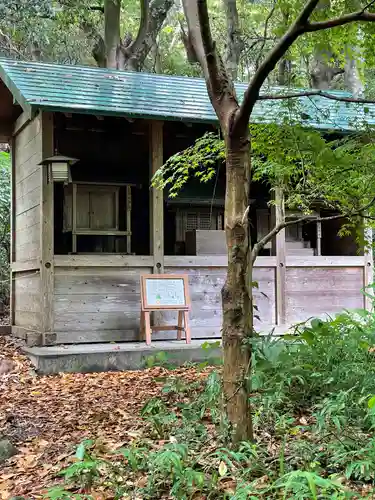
{"x":340,"y":21}
{"x":309,"y":93}
{"x":266,"y":239}
{"x":97,"y":8}
{"x":268,"y":18}
{"x":153,"y":14}
{"x":220,"y":87}
{"x":135,"y":44}
{"x":208,"y":46}
{"x":269,"y":63}
{"x":301,"y":25}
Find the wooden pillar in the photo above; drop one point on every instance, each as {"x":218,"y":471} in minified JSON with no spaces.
{"x":319,"y":238}
{"x":47,"y":236}
{"x":279,"y":246}
{"x":368,"y":273}
{"x":12,"y":226}
{"x":156,"y":198}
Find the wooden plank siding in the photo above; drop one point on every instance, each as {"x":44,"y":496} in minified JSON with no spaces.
{"x":102,"y":304}
{"x":26,"y":315}
{"x":27,"y":146}
{"x":99,"y":304}
{"x":26,"y":294}
{"x":316,"y":291}
{"x":205,"y":286}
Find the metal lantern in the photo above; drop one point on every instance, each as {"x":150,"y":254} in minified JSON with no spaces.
{"x":58,"y":168}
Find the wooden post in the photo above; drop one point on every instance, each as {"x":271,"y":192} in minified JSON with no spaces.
{"x":368,"y":273}
{"x":319,"y":238}
{"x":156,"y":198}
{"x":74,"y":218}
{"x":128,"y":218}
{"x":47,"y":236}
{"x":280,"y":260}
{"x":12,"y":227}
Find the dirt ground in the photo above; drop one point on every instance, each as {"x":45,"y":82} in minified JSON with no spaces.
{"x":45,"y":417}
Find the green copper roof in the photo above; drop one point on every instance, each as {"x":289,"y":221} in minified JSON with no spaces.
{"x":78,"y":89}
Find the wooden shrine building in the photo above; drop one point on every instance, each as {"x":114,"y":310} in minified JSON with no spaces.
{"x":79,"y":246}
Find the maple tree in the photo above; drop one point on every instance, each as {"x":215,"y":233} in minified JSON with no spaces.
{"x":234,"y":118}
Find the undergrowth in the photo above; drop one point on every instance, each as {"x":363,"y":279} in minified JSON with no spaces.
{"x":313,"y":401}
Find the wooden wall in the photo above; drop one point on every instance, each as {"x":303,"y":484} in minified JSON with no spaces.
{"x":97,"y":304}
{"x":27,"y":150}
{"x":97,"y":298}
{"x":205,"y":284}
{"x":316,"y":291}
{"x":26,"y":296}
{"x":101,"y":304}
{"x":26,"y":216}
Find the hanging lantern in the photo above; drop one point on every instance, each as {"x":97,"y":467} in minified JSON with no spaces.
{"x":58,"y":168}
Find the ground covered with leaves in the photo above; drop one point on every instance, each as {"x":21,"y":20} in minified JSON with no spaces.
{"x":160,"y":434}
{"x":46,"y":417}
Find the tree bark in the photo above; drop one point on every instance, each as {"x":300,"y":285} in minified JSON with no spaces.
{"x":237,"y":291}
{"x":234,"y":42}
{"x":112,"y":40}
{"x":151,"y":24}
{"x":234,"y":122}
{"x":352,"y":79}
{"x":128,"y":54}
{"x":322,"y":73}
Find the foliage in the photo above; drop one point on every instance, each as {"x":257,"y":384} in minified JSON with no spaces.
{"x":4,"y":225}
{"x":310,"y":167}
{"x":314,"y":412}
{"x":65,"y":31}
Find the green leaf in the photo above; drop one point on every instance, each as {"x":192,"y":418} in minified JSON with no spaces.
{"x":371,"y":402}
{"x":223,"y":469}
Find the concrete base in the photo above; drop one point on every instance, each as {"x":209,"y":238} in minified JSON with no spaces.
{"x":88,"y":358}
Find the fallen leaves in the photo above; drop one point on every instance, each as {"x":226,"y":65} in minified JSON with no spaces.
{"x":45,"y":417}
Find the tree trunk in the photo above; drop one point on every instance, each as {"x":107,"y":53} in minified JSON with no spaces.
{"x":112,"y":32}
{"x":135,"y":57}
{"x":234,"y":42}
{"x":352,"y":79}
{"x":237,"y":291}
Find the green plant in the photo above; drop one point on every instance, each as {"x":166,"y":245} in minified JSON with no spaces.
{"x":314,"y":411}
{"x":157,"y":414}
{"x":86,"y":469}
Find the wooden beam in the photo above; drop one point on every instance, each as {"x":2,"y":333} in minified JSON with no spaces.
{"x":211,"y":261}
{"x":280,"y":260}
{"x":325,"y":261}
{"x":47,"y":237}
{"x":104,"y":260}
{"x":156,"y":198}
{"x":319,"y":238}
{"x":21,"y":123}
{"x":28,"y":265}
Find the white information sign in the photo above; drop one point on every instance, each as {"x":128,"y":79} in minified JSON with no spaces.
{"x":165,"y":292}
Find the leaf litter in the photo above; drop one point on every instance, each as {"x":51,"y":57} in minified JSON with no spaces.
{"x":45,"y":417}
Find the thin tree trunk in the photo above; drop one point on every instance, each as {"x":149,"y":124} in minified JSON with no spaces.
{"x":236,"y":293}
